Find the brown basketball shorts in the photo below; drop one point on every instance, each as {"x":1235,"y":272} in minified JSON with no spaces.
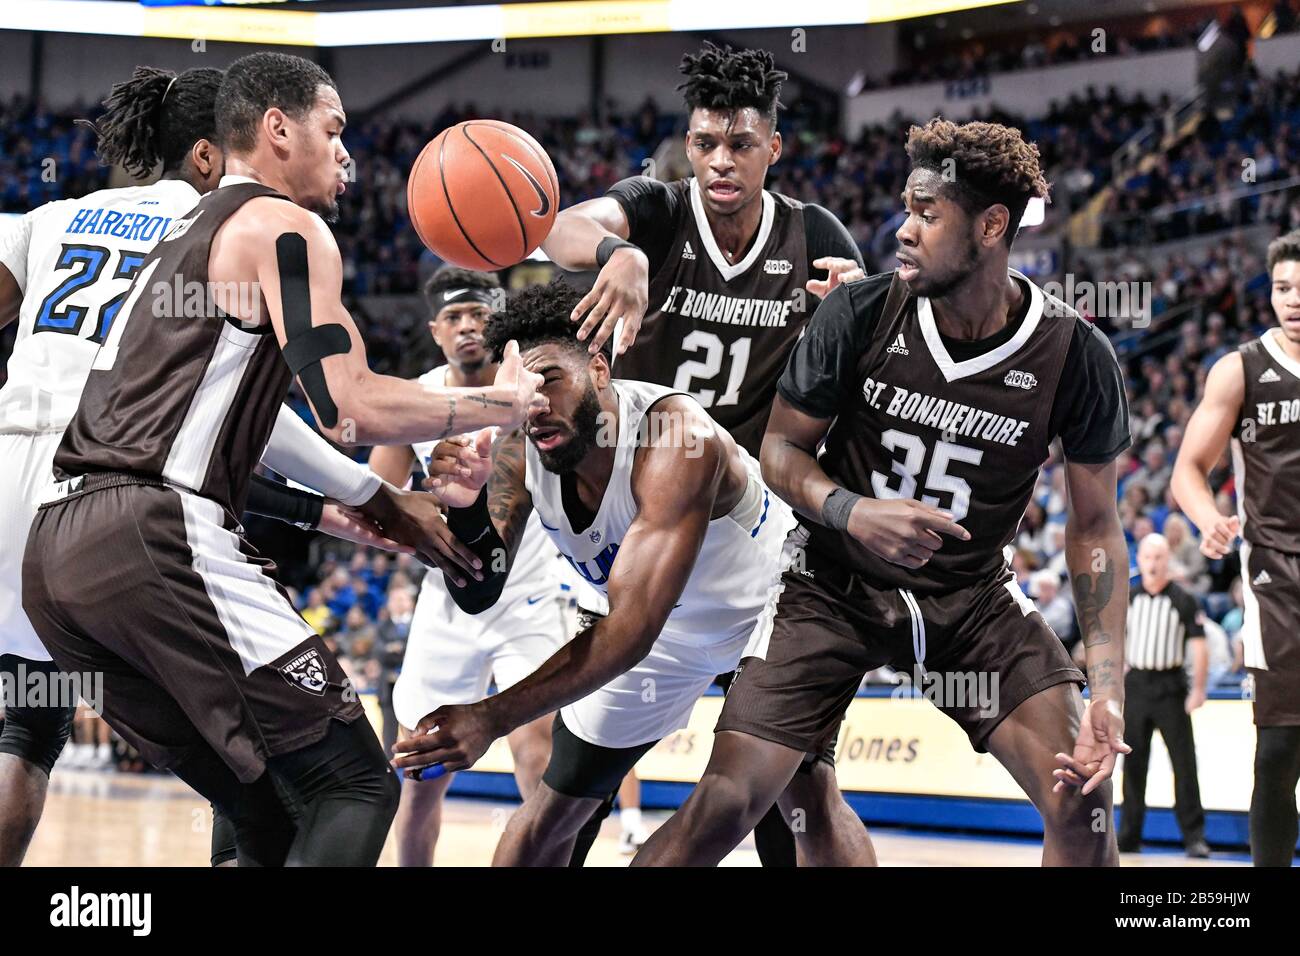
{"x":1270,"y":633}
{"x":977,"y":653}
{"x":153,"y":587}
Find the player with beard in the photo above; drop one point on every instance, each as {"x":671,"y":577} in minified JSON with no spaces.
{"x":937,"y":392}
{"x":1252,"y":398}
{"x":713,"y":277}
{"x":657,"y":507}
{"x":452,"y":657}
{"x":208,"y":670}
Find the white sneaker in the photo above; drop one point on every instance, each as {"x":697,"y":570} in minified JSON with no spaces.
{"x":103,"y":758}
{"x":76,"y":755}
{"x":631,"y":840}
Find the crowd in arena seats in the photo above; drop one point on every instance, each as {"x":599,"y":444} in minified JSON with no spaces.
{"x":1229,"y":159}
{"x":979,"y":57}
{"x":858,"y":177}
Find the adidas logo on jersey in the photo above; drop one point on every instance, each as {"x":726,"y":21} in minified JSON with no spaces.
{"x":1269,"y":376}
{"x":687,"y":252}
{"x":778,"y":267}
{"x":899,"y":347}
{"x":1020,"y":379}
{"x":1261,"y":578}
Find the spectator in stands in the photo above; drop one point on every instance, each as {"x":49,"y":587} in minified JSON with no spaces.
{"x":356,"y":627}
{"x":317,"y":612}
{"x":1055,"y":605}
{"x":1186,"y":563}
{"x":341,"y":596}
{"x":1154,"y":474}
{"x":368,"y":599}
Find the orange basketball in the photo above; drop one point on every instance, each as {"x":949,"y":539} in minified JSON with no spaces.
{"x":482,"y":195}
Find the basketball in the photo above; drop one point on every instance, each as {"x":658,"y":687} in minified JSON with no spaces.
{"x":482,"y":195}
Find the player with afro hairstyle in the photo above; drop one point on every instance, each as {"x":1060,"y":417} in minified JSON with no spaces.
{"x":535,"y":316}
{"x":981,"y":165}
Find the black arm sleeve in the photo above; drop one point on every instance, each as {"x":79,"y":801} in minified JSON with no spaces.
{"x":1090,"y":411}
{"x":822,"y":363}
{"x":274,"y":499}
{"x":474,"y":528}
{"x":651,"y":210}
{"x":826,"y":236}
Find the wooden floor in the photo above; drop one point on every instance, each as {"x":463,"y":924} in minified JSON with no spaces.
{"x":95,"y":818}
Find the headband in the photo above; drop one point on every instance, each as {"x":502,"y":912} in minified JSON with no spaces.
{"x":440,"y":300}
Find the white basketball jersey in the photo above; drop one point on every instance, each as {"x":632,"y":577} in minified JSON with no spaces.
{"x":74,"y":260}
{"x":534,"y":569}
{"x":737,"y":563}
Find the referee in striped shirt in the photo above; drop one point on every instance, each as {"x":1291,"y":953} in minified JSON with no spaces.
{"x":1164,"y":627}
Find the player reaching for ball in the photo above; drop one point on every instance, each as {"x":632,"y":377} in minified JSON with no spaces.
{"x":725,"y":272}
{"x":661,"y":510}
{"x":713,"y":277}
{"x":908,"y":434}
{"x":65,"y":268}
{"x":208,"y":670}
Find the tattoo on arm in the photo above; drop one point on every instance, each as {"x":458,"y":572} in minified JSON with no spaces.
{"x":487,"y":402}
{"x":1101,"y":676}
{"x":1092,"y":593}
{"x":1090,"y":597}
{"x":508,"y":500}
{"x":451,"y":416}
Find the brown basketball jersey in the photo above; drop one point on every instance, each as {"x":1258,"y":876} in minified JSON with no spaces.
{"x":965,"y":436}
{"x":181,"y":391}
{"x":1266,"y":447}
{"x":723,"y":332}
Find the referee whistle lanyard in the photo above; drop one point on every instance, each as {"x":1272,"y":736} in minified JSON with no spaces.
{"x":918,"y":629}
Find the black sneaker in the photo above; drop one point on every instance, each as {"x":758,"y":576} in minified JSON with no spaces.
{"x":1198,"y":850}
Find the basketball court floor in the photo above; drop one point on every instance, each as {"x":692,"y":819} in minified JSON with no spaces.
{"x":110,"y":819}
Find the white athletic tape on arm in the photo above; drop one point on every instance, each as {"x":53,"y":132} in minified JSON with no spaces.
{"x":307,"y":459}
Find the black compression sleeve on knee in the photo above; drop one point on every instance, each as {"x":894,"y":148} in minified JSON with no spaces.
{"x":36,"y":733}
{"x":305,"y":344}
{"x":473,"y":527}
{"x":223,"y":838}
{"x":347,"y":796}
{"x":1273,"y":824}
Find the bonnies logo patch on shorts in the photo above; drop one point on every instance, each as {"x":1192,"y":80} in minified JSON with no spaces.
{"x":307,"y":672}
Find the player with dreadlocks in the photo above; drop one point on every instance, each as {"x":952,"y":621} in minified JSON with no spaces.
{"x":908,"y":432}
{"x":713,"y":277}
{"x":66,"y":269}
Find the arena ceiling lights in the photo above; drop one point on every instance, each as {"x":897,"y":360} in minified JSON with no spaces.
{"x":373,"y":27}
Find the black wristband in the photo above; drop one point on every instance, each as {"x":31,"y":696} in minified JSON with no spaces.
{"x":273,"y":499}
{"x":470,"y":524}
{"x":608,"y":246}
{"x":837,"y":507}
